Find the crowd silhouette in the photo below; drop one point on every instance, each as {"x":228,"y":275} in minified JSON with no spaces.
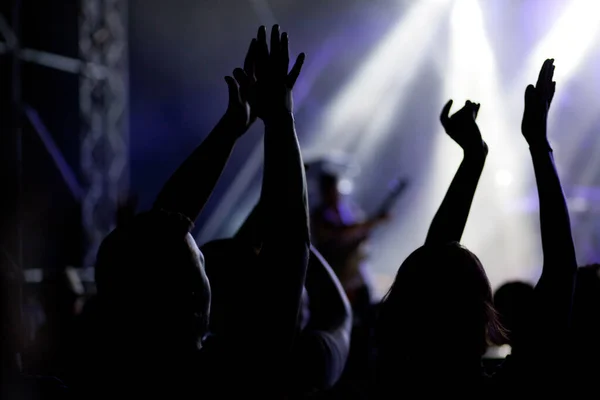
{"x":278,"y":311}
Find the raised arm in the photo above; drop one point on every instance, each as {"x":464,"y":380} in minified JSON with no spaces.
{"x":330,"y":308}
{"x":322,"y":349}
{"x":284,"y":216}
{"x":286,"y":236}
{"x":555,"y":288}
{"x":251,"y":230}
{"x":190,"y":187}
{"x":449,"y":222}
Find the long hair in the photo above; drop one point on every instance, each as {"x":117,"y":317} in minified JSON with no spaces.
{"x":441,"y":298}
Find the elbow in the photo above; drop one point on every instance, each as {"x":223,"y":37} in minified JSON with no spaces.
{"x":322,"y":357}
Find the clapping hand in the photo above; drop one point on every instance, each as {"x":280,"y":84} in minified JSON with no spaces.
{"x":537,"y":103}
{"x":462,"y":128}
{"x":265,"y":80}
{"x":238,"y":108}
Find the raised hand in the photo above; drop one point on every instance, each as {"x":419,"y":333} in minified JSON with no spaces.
{"x":462,"y":128}
{"x":549,"y":321}
{"x":537,"y":103}
{"x":265,"y":79}
{"x":450,"y":220}
{"x":238,"y":108}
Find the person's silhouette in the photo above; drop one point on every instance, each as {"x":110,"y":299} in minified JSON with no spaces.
{"x":586,"y":329}
{"x":539,"y":362}
{"x":13,"y":383}
{"x":153,"y":300}
{"x":11,"y":320}
{"x":265,"y":265}
{"x":321,"y":345}
{"x":441,"y":291}
{"x":513,"y":301}
{"x":325,"y":318}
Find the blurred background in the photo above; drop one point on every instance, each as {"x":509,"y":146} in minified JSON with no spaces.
{"x":104,"y":98}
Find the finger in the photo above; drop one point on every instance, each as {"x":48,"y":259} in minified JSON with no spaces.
{"x":476,"y":110}
{"x":261,"y":41}
{"x":250,"y":59}
{"x":465,"y":111}
{"x":529,"y":94}
{"x":262,"y":53}
{"x":295,"y":72}
{"x":549,"y":73}
{"x":275,"y":47}
{"x":285,"y":52}
{"x":244,"y":82}
{"x":444,"y":116}
{"x":542,"y":75}
{"x":234,"y":93}
{"x":242,"y":79}
{"x":552,"y":90}
{"x":470,"y":106}
{"x":547,"y":84}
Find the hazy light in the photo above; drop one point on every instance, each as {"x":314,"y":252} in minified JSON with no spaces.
{"x":345,"y":186}
{"x":471,"y":74}
{"x":503,"y":178}
{"x":361,"y":113}
{"x":578,"y":204}
{"x":569,"y":40}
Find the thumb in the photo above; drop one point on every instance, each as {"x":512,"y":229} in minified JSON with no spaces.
{"x":295,"y":71}
{"x":445,"y":111}
{"x":529,"y":93}
{"x":234,"y":93}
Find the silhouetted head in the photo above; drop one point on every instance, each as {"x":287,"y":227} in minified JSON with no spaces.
{"x":233,"y":268}
{"x":440,"y":305}
{"x":328,"y":186}
{"x":586,"y":308}
{"x":513,"y":301}
{"x":152,"y":284}
{"x":585,"y":329}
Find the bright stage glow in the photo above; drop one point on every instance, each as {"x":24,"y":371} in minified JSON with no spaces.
{"x":454,"y":37}
{"x":501,"y":230}
{"x":360,"y":115}
{"x":503,"y":178}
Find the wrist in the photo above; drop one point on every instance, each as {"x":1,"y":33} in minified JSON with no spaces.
{"x":477,"y":152}
{"x":539,"y":142}
{"x":234,"y":126}
{"x":540,"y":148}
{"x":278,"y":116}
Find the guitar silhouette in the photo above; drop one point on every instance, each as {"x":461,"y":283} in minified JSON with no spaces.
{"x":354,"y":255}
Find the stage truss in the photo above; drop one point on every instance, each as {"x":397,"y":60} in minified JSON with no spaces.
{"x":102,"y":68}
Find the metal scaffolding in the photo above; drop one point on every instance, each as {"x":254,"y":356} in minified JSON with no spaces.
{"x":103,"y":102}
{"x":102,"y":68}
